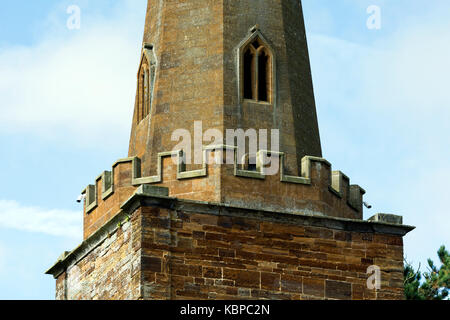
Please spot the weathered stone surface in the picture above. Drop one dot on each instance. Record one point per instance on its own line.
(111, 270)
(388, 218)
(338, 290)
(234, 262)
(155, 228)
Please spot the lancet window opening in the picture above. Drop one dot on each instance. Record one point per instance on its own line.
(257, 71)
(146, 78)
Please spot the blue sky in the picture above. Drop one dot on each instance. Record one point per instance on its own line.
(67, 98)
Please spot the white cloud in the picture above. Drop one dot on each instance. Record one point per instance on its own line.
(61, 223)
(74, 86)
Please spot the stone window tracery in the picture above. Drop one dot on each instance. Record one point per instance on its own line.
(146, 81)
(257, 75)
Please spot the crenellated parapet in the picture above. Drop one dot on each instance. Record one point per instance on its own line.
(317, 191)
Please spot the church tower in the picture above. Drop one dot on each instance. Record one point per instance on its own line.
(224, 192)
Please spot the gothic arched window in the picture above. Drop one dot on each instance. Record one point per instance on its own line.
(143, 93)
(146, 82)
(257, 71)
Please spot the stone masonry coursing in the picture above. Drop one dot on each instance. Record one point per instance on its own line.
(177, 249)
(111, 270)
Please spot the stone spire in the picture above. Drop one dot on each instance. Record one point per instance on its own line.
(196, 65)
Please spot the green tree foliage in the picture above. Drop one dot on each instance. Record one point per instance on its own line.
(412, 283)
(434, 284)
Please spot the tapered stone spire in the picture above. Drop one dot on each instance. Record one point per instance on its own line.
(230, 64)
(197, 74)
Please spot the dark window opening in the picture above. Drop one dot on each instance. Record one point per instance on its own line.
(145, 87)
(145, 84)
(152, 84)
(252, 164)
(263, 83)
(248, 70)
(257, 72)
(142, 107)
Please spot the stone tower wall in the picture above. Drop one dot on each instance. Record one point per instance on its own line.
(293, 111)
(317, 191)
(187, 38)
(196, 46)
(108, 266)
(163, 248)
